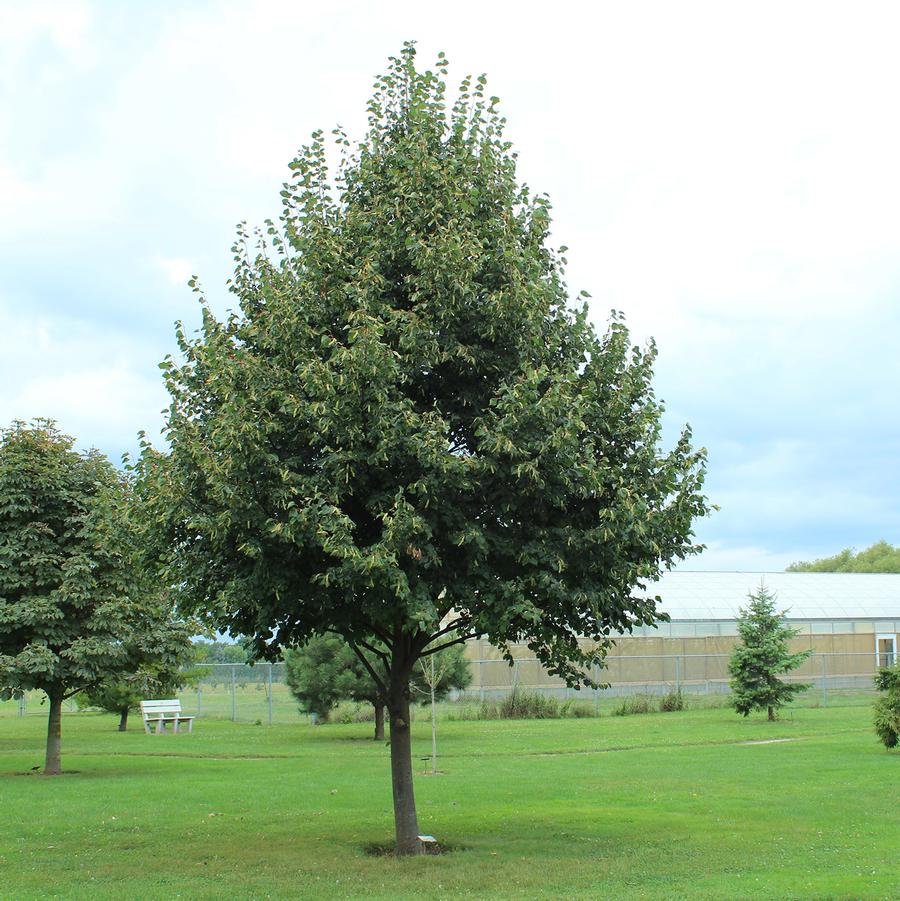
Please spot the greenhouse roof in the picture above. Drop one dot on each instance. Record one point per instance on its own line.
(702, 596)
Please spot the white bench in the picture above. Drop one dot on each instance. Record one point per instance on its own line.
(158, 713)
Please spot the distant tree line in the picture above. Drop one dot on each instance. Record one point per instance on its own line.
(219, 652)
(881, 557)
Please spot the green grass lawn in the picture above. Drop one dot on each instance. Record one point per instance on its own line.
(694, 805)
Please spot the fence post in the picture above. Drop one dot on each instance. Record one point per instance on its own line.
(22, 704)
(233, 697)
(515, 675)
(824, 681)
(199, 699)
(270, 692)
(481, 677)
(678, 674)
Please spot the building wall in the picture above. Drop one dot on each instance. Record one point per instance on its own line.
(692, 661)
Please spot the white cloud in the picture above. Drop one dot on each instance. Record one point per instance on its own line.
(725, 175)
(176, 270)
(95, 384)
(67, 25)
(105, 406)
(724, 557)
(15, 193)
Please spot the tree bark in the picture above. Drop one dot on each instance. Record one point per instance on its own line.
(123, 719)
(406, 824)
(54, 735)
(379, 721)
(771, 714)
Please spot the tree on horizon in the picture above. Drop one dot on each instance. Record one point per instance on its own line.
(881, 557)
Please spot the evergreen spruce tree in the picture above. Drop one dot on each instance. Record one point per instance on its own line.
(762, 657)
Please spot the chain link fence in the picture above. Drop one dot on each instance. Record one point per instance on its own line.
(259, 694)
(830, 675)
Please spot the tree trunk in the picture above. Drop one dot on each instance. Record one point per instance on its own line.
(123, 719)
(433, 723)
(379, 720)
(54, 735)
(406, 824)
(771, 714)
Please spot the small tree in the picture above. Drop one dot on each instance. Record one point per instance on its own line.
(442, 672)
(152, 680)
(76, 608)
(887, 708)
(762, 657)
(326, 670)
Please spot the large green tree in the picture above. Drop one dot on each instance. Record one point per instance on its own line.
(762, 657)
(881, 557)
(405, 431)
(76, 608)
(326, 670)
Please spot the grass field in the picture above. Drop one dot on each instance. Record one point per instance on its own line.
(694, 805)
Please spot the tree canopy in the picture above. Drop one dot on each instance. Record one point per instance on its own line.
(881, 557)
(762, 657)
(405, 430)
(75, 606)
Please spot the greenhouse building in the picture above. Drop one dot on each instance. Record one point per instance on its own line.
(850, 622)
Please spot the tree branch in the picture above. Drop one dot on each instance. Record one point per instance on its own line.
(372, 649)
(453, 626)
(449, 644)
(365, 662)
(382, 637)
(365, 644)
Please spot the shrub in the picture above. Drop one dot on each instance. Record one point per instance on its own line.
(580, 709)
(674, 700)
(635, 704)
(521, 704)
(887, 708)
(352, 712)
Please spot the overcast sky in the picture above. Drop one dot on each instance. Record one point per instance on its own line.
(728, 175)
